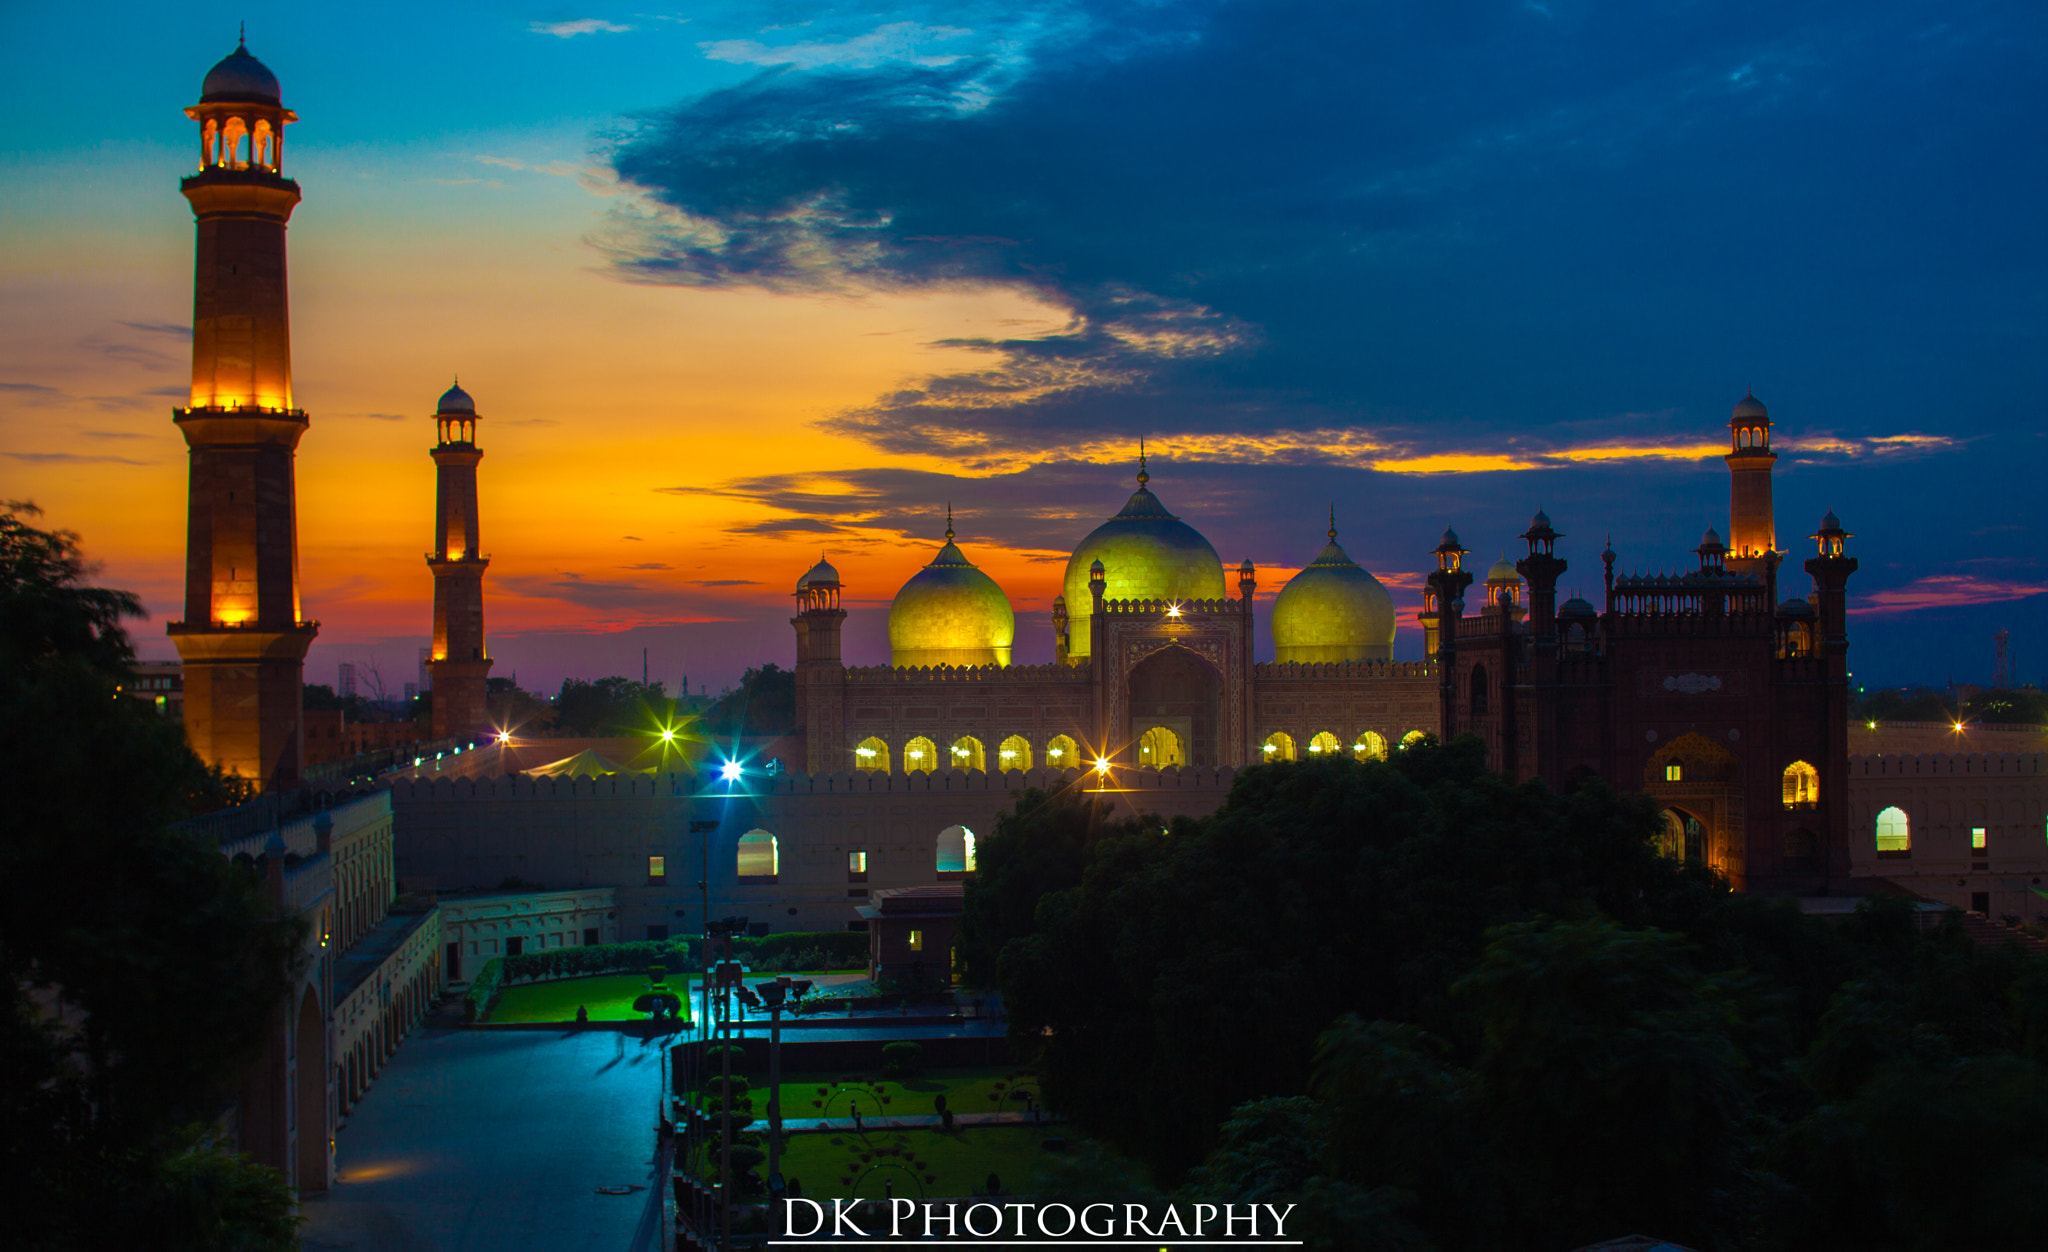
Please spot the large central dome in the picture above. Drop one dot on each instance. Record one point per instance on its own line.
(950, 613)
(1147, 554)
(1334, 610)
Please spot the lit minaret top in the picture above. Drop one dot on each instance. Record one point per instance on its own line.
(1752, 537)
(459, 663)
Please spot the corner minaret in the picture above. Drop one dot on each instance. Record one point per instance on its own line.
(1752, 539)
(242, 641)
(459, 664)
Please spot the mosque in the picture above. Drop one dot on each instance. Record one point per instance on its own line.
(1153, 664)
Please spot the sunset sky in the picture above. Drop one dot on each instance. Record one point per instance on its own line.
(735, 284)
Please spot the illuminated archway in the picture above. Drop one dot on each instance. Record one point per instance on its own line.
(1279, 746)
(956, 851)
(1324, 744)
(1061, 752)
(1802, 785)
(1014, 753)
(1684, 836)
(1894, 833)
(967, 753)
(759, 858)
(1413, 737)
(1161, 748)
(871, 756)
(920, 755)
(1371, 746)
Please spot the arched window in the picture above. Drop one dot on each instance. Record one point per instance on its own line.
(1323, 743)
(1413, 737)
(259, 142)
(1061, 752)
(956, 852)
(1894, 833)
(1684, 836)
(1160, 748)
(231, 136)
(967, 753)
(209, 134)
(1478, 692)
(1802, 785)
(1674, 771)
(1800, 849)
(1279, 746)
(1014, 753)
(920, 755)
(871, 756)
(1371, 746)
(759, 858)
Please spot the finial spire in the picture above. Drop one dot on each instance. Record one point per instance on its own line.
(949, 521)
(1333, 521)
(1143, 477)
(242, 35)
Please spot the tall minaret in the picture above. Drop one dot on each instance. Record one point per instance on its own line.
(242, 642)
(1752, 540)
(459, 664)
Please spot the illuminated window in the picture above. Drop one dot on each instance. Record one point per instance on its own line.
(1014, 753)
(657, 867)
(1413, 737)
(1160, 748)
(871, 756)
(1894, 833)
(1325, 744)
(1674, 772)
(1279, 746)
(920, 755)
(956, 851)
(1977, 838)
(1063, 753)
(759, 858)
(1371, 746)
(917, 941)
(966, 753)
(857, 862)
(1802, 785)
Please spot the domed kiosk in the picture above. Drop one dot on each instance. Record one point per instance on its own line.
(950, 613)
(1334, 610)
(1147, 554)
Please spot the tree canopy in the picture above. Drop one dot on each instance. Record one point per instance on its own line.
(140, 969)
(1438, 1008)
(763, 704)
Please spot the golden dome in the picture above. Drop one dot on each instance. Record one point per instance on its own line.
(1147, 554)
(950, 613)
(1334, 610)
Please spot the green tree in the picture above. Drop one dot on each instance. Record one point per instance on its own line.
(764, 704)
(1039, 847)
(142, 968)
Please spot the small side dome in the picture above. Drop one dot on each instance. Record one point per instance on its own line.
(1503, 572)
(821, 574)
(456, 400)
(1334, 610)
(1796, 608)
(240, 77)
(1749, 408)
(1712, 539)
(1831, 522)
(950, 613)
(1540, 522)
(1576, 607)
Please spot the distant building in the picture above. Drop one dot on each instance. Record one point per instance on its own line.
(160, 684)
(346, 686)
(412, 692)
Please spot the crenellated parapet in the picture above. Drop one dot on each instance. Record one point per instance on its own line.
(1171, 608)
(1341, 671)
(877, 675)
(1000, 783)
(1949, 764)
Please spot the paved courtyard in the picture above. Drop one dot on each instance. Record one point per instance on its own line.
(498, 1140)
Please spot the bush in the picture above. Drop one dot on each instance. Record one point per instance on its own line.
(484, 989)
(602, 958)
(736, 1087)
(830, 949)
(902, 1059)
(714, 1057)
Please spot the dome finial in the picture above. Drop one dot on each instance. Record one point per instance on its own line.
(1143, 477)
(1333, 521)
(949, 521)
(241, 34)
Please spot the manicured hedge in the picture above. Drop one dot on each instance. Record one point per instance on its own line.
(483, 989)
(832, 949)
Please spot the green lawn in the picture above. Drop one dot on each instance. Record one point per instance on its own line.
(609, 997)
(829, 1095)
(920, 1162)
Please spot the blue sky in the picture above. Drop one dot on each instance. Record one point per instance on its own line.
(1435, 262)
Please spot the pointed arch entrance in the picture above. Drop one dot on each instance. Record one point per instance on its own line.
(1175, 690)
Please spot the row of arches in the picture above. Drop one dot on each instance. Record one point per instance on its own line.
(406, 1006)
(921, 755)
(758, 857)
(1799, 785)
(237, 144)
(1369, 746)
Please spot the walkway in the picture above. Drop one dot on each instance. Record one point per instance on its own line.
(497, 1140)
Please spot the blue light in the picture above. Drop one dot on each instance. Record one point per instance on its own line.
(730, 771)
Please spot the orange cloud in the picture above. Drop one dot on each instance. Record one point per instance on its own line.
(1943, 591)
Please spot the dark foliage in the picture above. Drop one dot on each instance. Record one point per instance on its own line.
(763, 704)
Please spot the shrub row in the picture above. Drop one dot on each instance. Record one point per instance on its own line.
(483, 989)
